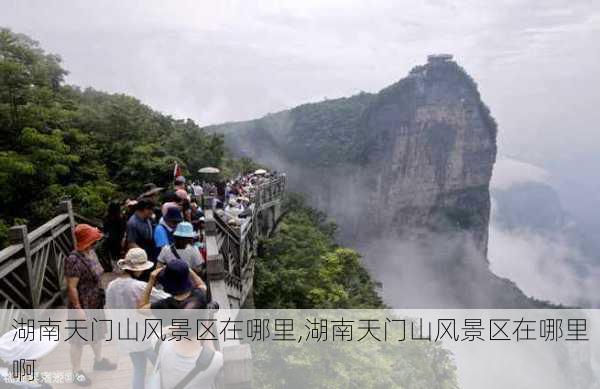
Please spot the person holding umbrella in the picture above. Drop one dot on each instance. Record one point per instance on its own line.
(208, 189)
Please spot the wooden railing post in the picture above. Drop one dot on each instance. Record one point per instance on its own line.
(67, 207)
(19, 235)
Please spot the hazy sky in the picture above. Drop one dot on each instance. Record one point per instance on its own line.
(536, 62)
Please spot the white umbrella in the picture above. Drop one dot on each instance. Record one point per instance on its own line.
(260, 171)
(209, 170)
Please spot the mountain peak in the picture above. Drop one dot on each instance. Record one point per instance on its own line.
(411, 163)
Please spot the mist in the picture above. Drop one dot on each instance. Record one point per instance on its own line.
(221, 61)
(552, 262)
(545, 267)
(535, 63)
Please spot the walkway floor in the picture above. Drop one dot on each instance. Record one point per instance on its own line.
(58, 363)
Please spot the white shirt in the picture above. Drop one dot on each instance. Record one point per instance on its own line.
(190, 254)
(174, 367)
(197, 189)
(126, 292)
(122, 297)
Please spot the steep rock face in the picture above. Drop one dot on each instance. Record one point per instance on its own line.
(429, 155)
(415, 157)
(405, 173)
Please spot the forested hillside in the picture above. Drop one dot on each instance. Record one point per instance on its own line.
(60, 141)
(302, 267)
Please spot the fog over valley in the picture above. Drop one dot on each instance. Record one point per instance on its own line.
(535, 65)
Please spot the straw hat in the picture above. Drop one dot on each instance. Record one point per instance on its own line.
(135, 260)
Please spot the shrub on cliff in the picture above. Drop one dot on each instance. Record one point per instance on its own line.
(301, 266)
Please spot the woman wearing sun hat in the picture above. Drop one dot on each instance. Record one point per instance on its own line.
(84, 291)
(125, 292)
(183, 248)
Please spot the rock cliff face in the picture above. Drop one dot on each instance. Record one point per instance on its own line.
(411, 163)
(431, 146)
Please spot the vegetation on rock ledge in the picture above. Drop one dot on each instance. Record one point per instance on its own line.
(302, 267)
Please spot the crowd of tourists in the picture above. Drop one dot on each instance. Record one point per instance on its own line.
(156, 244)
(236, 203)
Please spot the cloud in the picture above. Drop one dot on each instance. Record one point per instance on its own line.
(547, 267)
(508, 172)
(535, 61)
(260, 57)
(547, 263)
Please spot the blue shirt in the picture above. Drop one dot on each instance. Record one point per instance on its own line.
(162, 236)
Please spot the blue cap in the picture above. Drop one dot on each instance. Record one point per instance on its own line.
(184, 230)
(175, 277)
(173, 215)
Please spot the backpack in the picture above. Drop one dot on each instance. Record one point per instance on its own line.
(202, 363)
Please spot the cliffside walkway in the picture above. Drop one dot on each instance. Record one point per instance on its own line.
(32, 273)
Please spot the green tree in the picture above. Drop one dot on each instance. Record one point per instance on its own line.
(58, 141)
(302, 267)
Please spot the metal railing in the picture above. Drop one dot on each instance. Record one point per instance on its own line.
(232, 250)
(32, 267)
(231, 254)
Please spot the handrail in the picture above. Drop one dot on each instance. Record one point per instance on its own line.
(226, 229)
(11, 250)
(31, 268)
(88, 220)
(231, 269)
(236, 249)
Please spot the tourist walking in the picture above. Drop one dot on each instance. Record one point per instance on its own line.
(84, 291)
(183, 248)
(139, 229)
(125, 292)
